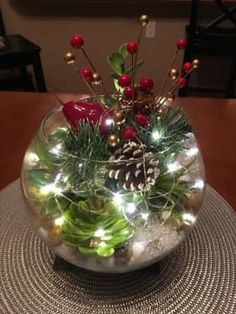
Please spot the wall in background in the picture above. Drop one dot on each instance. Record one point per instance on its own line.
(51, 27)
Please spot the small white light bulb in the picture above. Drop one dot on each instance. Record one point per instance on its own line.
(145, 216)
(117, 199)
(59, 221)
(99, 233)
(199, 184)
(51, 188)
(109, 121)
(189, 218)
(131, 208)
(192, 152)
(156, 135)
(173, 166)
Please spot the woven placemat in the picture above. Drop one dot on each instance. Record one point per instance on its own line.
(198, 278)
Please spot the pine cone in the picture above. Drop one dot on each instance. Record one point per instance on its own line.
(145, 102)
(137, 169)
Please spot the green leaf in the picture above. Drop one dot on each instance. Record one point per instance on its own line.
(86, 250)
(123, 50)
(51, 206)
(117, 86)
(114, 76)
(117, 62)
(38, 177)
(55, 204)
(138, 65)
(105, 251)
(44, 156)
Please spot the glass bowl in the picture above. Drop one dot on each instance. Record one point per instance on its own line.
(96, 224)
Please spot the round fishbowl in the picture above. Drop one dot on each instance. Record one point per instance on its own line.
(112, 208)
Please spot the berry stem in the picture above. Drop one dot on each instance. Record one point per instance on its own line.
(136, 55)
(85, 81)
(163, 88)
(94, 68)
(88, 59)
(172, 88)
(56, 96)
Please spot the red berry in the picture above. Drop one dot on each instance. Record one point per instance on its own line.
(129, 92)
(181, 82)
(141, 119)
(187, 66)
(77, 41)
(181, 43)
(86, 73)
(129, 133)
(132, 47)
(124, 80)
(146, 84)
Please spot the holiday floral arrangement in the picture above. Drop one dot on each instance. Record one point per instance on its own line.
(114, 181)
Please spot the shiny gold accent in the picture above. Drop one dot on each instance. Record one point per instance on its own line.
(171, 97)
(173, 73)
(119, 117)
(144, 19)
(96, 78)
(196, 63)
(69, 58)
(113, 140)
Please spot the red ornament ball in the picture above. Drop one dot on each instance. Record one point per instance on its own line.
(129, 133)
(187, 66)
(129, 92)
(124, 80)
(77, 41)
(181, 82)
(86, 73)
(181, 43)
(141, 119)
(146, 84)
(132, 47)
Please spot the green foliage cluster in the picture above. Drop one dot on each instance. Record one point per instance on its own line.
(96, 226)
(117, 61)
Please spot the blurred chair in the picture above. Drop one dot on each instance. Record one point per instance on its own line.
(16, 54)
(212, 41)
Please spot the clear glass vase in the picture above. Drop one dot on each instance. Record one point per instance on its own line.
(90, 221)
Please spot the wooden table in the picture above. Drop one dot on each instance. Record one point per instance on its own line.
(214, 120)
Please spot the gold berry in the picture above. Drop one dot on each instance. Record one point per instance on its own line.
(173, 73)
(171, 97)
(144, 19)
(196, 63)
(96, 78)
(113, 140)
(119, 116)
(69, 57)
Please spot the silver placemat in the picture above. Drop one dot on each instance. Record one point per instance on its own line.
(198, 278)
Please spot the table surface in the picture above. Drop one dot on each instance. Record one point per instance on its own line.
(214, 121)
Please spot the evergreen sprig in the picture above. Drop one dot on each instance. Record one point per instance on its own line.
(173, 127)
(85, 149)
(87, 142)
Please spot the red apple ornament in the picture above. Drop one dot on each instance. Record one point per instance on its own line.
(75, 111)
